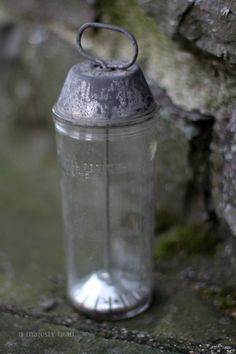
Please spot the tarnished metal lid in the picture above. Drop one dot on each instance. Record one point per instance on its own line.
(101, 93)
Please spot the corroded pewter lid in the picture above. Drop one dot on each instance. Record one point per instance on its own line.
(100, 93)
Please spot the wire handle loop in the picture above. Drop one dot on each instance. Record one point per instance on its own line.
(104, 64)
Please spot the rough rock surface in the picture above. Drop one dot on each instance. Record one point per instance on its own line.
(224, 170)
(209, 27)
(183, 167)
(193, 81)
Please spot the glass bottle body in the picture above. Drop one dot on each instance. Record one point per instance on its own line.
(107, 181)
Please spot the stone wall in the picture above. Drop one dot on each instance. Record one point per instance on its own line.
(187, 51)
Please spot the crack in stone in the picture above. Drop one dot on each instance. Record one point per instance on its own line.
(199, 157)
(183, 15)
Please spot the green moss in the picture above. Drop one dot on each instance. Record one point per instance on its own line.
(224, 299)
(185, 240)
(118, 11)
(129, 14)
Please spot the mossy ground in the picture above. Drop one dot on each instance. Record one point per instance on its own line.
(223, 298)
(185, 244)
(176, 238)
(185, 240)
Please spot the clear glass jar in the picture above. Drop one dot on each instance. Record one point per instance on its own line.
(107, 180)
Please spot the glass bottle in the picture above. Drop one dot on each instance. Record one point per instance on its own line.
(107, 178)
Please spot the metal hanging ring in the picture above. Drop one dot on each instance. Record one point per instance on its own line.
(103, 63)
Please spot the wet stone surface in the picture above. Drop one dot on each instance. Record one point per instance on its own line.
(25, 335)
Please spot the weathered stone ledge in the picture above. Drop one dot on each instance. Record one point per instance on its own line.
(108, 331)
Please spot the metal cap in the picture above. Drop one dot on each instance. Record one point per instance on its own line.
(101, 93)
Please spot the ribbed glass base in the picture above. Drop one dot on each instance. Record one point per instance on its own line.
(103, 296)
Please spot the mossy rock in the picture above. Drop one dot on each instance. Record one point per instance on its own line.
(224, 299)
(185, 240)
